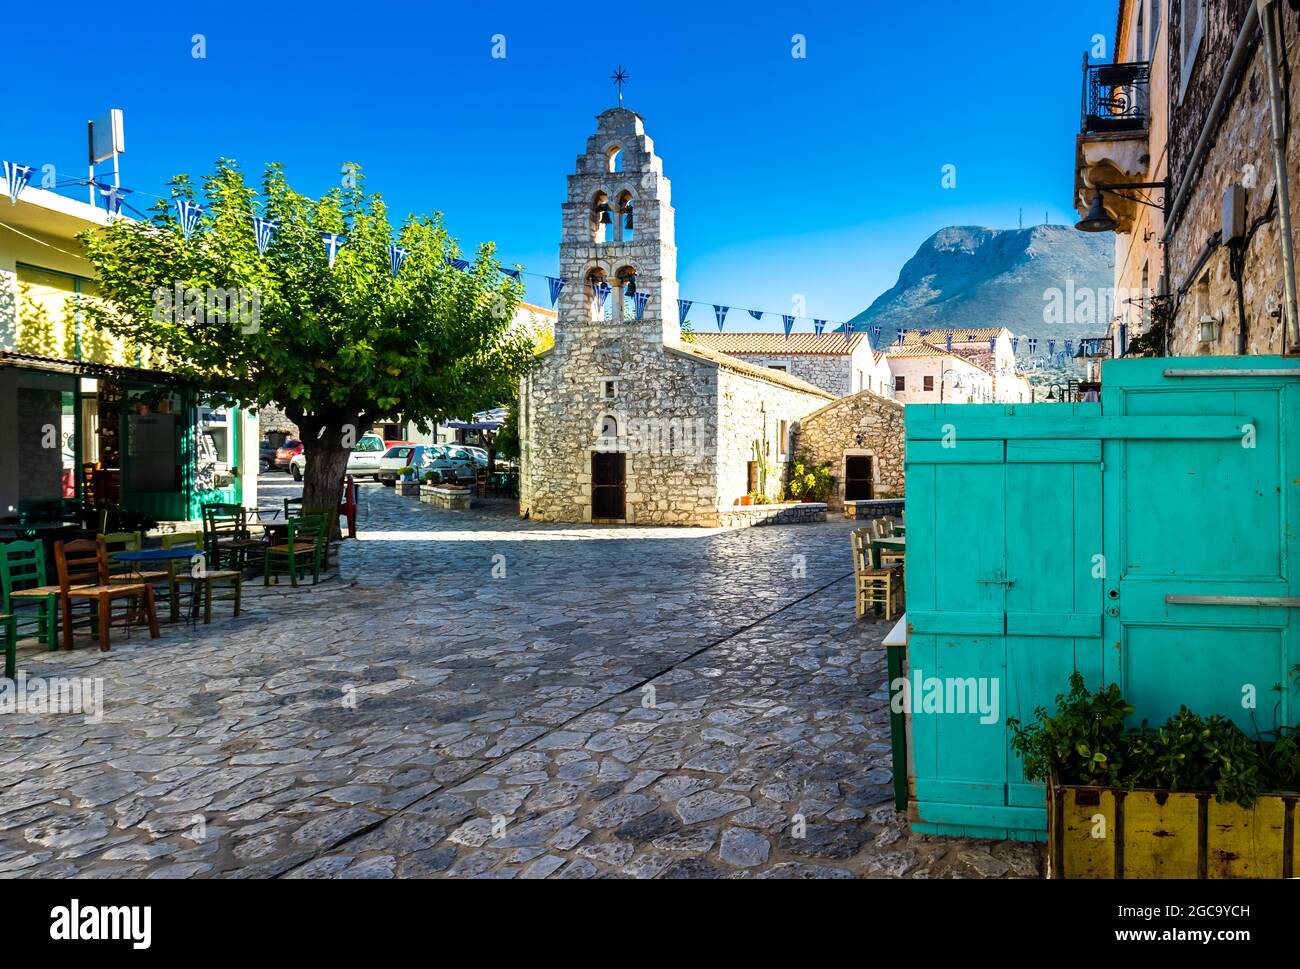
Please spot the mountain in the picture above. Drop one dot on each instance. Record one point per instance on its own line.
(968, 276)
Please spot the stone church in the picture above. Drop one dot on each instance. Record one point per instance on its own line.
(622, 420)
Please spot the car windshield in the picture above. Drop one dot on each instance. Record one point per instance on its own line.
(398, 453)
(289, 445)
(369, 444)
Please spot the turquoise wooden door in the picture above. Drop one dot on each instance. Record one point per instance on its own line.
(1002, 600)
(1202, 539)
(1150, 540)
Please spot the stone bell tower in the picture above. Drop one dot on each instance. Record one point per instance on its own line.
(617, 232)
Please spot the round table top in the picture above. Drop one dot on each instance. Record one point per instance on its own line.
(157, 554)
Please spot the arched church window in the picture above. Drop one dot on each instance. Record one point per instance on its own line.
(625, 292)
(601, 217)
(625, 222)
(600, 296)
(608, 429)
(614, 158)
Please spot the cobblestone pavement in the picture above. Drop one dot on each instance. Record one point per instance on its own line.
(476, 696)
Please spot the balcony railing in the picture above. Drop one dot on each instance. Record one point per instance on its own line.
(1115, 97)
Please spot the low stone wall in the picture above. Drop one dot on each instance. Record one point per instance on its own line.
(743, 516)
(449, 499)
(874, 508)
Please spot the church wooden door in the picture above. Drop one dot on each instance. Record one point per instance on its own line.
(608, 485)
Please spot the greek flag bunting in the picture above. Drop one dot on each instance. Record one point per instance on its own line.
(263, 229)
(756, 314)
(848, 331)
(683, 307)
(396, 256)
(993, 344)
(641, 300)
(1051, 348)
(113, 199)
(788, 323)
(1015, 344)
(875, 332)
(460, 264)
(720, 313)
(512, 273)
(16, 177)
(1033, 345)
(602, 293)
(187, 213)
(556, 286)
(818, 326)
(333, 242)
(1069, 348)
(948, 342)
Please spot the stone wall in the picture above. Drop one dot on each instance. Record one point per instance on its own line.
(831, 373)
(664, 418)
(750, 410)
(832, 432)
(1240, 155)
(785, 514)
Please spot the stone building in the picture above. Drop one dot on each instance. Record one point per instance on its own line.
(861, 436)
(1191, 98)
(620, 420)
(827, 360)
(980, 367)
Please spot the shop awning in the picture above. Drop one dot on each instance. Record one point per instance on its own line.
(86, 368)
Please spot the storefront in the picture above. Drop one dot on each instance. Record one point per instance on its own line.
(101, 436)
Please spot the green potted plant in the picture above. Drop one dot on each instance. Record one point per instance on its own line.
(809, 482)
(1194, 797)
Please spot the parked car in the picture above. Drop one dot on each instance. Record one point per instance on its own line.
(363, 462)
(415, 456)
(265, 456)
(285, 454)
(454, 462)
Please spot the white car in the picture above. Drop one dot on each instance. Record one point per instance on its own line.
(363, 462)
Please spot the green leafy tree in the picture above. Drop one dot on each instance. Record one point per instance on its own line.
(339, 348)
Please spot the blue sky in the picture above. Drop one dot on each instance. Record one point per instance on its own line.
(816, 176)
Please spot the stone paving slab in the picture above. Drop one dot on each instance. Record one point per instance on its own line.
(475, 696)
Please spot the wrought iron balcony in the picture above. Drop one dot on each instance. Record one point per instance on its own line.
(1115, 97)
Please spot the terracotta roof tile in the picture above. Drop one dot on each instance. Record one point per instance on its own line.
(751, 369)
(832, 344)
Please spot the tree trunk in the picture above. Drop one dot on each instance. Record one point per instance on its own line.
(327, 462)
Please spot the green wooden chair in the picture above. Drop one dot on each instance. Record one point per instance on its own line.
(305, 540)
(292, 508)
(201, 580)
(9, 629)
(22, 584)
(226, 536)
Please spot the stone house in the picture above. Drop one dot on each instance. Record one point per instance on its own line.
(980, 367)
(861, 436)
(1196, 97)
(828, 360)
(621, 420)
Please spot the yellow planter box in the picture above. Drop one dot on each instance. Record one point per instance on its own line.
(1104, 832)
